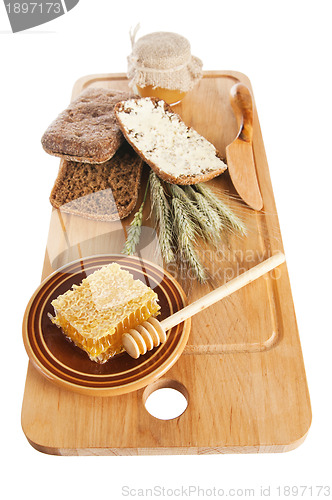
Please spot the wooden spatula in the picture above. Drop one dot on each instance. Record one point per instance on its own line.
(239, 154)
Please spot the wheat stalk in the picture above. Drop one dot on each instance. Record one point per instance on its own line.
(228, 217)
(193, 211)
(186, 232)
(135, 228)
(203, 225)
(208, 218)
(163, 216)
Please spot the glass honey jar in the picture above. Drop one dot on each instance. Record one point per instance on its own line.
(161, 65)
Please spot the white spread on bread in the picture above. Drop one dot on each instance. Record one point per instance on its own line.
(166, 141)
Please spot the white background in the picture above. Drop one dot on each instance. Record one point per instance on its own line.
(285, 49)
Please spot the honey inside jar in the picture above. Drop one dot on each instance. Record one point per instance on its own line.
(161, 65)
(168, 95)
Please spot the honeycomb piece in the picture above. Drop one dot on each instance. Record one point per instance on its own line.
(96, 313)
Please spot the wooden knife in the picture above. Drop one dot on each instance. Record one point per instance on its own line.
(239, 153)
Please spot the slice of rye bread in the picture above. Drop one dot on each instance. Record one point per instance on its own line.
(177, 153)
(87, 131)
(104, 192)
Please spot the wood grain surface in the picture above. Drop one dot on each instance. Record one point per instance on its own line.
(242, 368)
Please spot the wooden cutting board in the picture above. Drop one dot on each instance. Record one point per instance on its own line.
(242, 369)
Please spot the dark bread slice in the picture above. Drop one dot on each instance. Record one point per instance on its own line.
(87, 131)
(104, 192)
(176, 152)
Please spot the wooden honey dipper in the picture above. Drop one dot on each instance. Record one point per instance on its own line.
(152, 332)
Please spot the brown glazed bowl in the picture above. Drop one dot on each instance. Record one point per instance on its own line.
(68, 366)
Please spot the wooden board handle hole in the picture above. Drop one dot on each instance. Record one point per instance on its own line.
(166, 399)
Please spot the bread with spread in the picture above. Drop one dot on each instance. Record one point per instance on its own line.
(177, 153)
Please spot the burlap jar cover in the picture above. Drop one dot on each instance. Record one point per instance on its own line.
(163, 59)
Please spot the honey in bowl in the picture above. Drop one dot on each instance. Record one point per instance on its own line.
(161, 65)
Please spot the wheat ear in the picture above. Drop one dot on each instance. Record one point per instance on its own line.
(135, 228)
(186, 232)
(228, 217)
(209, 219)
(163, 216)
